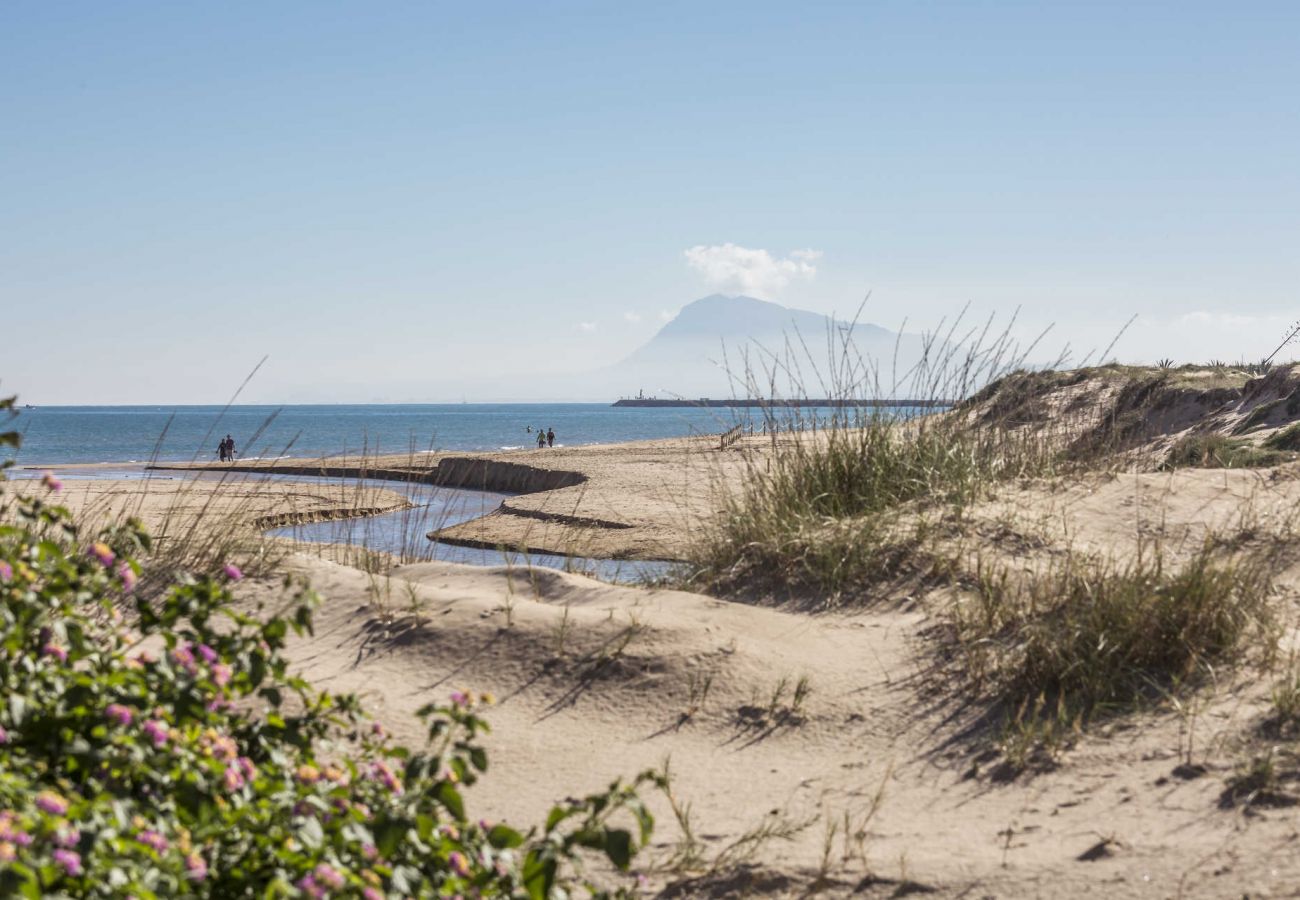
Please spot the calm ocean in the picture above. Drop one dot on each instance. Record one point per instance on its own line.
(95, 434)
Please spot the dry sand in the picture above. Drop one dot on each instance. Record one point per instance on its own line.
(596, 681)
(637, 500)
(166, 502)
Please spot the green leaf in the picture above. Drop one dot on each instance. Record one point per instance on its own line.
(451, 800)
(502, 836)
(17, 707)
(478, 756)
(389, 835)
(619, 847)
(539, 875)
(311, 833)
(558, 814)
(424, 825)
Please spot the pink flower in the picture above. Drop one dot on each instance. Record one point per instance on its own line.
(308, 886)
(156, 731)
(196, 869)
(458, 864)
(153, 840)
(68, 837)
(459, 698)
(383, 774)
(51, 483)
(183, 657)
(372, 893)
(329, 876)
(246, 767)
(370, 851)
(4, 736)
(10, 834)
(127, 576)
(233, 779)
(70, 860)
(222, 746)
(103, 553)
(232, 571)
(209, 655)
(221, 674)
(118, 713)
(53, 649)
(377, 729)
(6, 571)
(52, 803)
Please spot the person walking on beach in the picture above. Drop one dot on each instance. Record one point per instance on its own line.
(230, 448)
(550, 437)
(221, 450)
(541, 440)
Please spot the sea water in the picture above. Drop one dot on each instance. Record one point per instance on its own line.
(134, 435)
(55, 435)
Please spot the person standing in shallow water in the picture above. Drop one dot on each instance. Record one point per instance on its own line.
(541, 440)
(550, 437)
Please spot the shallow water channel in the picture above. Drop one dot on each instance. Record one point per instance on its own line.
(405, 532)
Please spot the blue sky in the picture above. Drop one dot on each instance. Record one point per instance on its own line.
(392, 199)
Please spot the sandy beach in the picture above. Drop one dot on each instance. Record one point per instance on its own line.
(821, 752)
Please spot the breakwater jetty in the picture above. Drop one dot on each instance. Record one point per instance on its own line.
(804, 403)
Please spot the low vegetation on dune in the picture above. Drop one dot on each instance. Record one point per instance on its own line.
(1049, 645)
(822, 515)
(155, 743)
(819, 514)
(1085, 637)
(1217, 451)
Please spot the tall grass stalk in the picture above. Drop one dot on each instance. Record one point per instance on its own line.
(816, 510)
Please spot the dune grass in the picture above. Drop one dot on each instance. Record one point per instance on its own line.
(819, 511)
(1086, 637)
(1217, 451)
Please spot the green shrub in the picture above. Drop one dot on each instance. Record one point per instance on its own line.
(161, 747)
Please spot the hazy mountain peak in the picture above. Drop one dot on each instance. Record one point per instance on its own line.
(719, 316)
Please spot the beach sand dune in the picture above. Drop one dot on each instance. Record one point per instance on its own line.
(830, 752)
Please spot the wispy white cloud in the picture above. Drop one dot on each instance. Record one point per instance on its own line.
(587, 327)
(730, 267)
(632, 317)
(666, 315)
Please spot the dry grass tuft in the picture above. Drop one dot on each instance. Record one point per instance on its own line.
(1089, 637)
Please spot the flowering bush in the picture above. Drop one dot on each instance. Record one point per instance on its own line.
(159, 746)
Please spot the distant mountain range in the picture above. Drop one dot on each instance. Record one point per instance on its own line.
(720, 346)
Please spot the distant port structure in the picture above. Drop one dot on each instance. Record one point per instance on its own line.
(780, 403)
